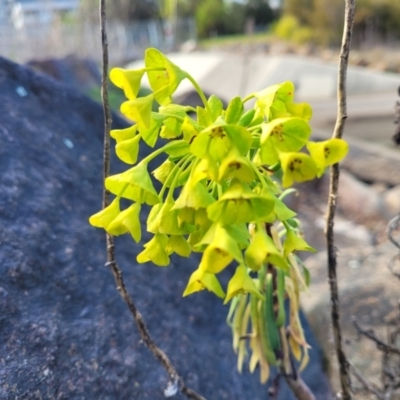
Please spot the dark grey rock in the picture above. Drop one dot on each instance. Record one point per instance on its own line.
(65, 333)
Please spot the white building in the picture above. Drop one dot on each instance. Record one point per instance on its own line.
(22, 13)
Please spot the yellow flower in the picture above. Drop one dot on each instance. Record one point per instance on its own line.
(127, 221)
(103, 218)
(128, 80)
(134, 184)
(241, 282)
(263, 250)
(155, 251)
(201, 280)
(327, 153)
(297, 167)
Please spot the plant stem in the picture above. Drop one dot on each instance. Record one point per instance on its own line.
(199, 91)
(111, 260)
(331, 207)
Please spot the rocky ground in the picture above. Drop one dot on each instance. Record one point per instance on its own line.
(65, 333)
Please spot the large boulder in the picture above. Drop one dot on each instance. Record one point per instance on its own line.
(65, 333)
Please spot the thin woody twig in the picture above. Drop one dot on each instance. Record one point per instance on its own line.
(371, 335)
(368, 386)
(175, 379)
(333, 190)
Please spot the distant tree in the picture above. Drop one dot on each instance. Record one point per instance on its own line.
(260, 11)
(375, 20)
(210, 17)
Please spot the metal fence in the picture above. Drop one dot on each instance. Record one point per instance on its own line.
(126, 41)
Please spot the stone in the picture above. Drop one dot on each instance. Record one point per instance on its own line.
(367, 291)
(391, 199)
(65, 331)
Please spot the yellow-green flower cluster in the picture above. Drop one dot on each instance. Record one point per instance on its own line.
(221, 172)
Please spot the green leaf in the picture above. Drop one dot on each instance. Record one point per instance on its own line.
(164, 83)
(124, 134)
(139, 110)
(240, 137)
(297, 167)
(234, 111)
(134, 184)
(216, 107)
(128, 80)
(247, 117)
(128, 150)
(203, 117)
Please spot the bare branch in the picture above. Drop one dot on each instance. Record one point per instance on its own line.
(175, 379)
(333, 190)
(367, 385)
(380, 343)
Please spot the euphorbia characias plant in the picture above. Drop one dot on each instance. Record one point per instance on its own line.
(224, 174)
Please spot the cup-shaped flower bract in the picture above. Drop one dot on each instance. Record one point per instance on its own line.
(134, 184)
(166, 79)
(201, 280)
(139, 110)
(103, 218)
(219, 138)
(262, 250)
(193, 196)
(235, 166)
(327, 152)
(179, 245)
(128, 80)
(128, 150)
(274, 99)
(221, 252)
(239, 205)
(297, 167)
(127, 221)
(241, 282)
(155, 251)
(294, 242)
(162, 219)
(121, 135)
(283, 135)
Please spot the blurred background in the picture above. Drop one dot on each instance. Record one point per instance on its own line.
(239, 47)
(54, 28)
